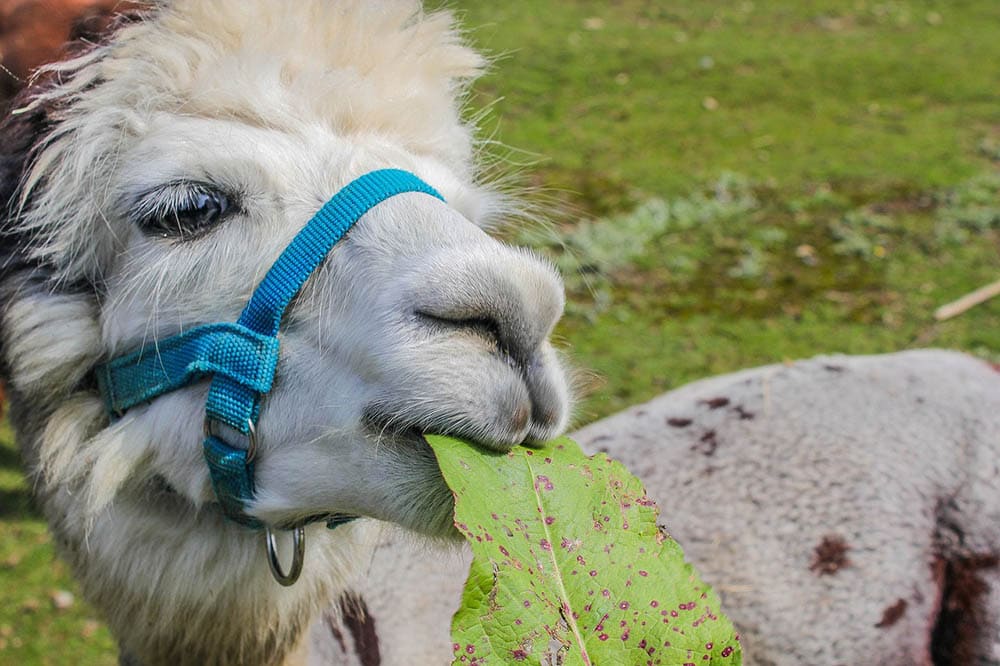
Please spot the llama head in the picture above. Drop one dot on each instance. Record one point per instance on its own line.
(155, 179)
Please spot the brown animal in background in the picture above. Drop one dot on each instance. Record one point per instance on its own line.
(35, 32)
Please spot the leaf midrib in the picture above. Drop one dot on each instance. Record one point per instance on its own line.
(570, 620)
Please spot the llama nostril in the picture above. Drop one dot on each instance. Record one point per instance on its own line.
(507, 298)
(485, 327)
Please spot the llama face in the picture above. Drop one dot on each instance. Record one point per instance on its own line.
(418, 321)
(181, 160)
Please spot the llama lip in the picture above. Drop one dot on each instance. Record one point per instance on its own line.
(382, 423)
(381, 426)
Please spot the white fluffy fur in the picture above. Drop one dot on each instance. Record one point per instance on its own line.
(377, 71)
(282, 103)
(54, 340)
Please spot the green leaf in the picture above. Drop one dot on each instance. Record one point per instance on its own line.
(570, 567)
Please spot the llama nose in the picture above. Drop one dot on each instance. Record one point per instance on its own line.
(504, 294)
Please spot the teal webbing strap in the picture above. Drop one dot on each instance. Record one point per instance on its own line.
(225, 349)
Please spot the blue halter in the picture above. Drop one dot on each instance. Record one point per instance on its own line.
(241, 357)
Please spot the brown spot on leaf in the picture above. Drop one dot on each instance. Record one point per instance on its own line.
(892, 614)
(830, 556)
(677, 422)
(662, 534)
(715, 403)
(743, 413)
(833, 368)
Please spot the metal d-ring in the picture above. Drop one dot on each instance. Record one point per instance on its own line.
(251, 436)
(298, 555)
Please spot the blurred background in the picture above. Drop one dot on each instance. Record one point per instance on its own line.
(722, 184)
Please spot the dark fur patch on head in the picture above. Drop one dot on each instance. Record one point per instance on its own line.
(19, 134)
(830, 556)
(677, 422)
(892, 614)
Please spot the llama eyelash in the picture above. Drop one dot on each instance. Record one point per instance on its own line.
(183, 210)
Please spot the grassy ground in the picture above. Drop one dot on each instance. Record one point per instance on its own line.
(748, 182)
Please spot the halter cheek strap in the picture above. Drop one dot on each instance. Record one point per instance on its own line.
(241, 357)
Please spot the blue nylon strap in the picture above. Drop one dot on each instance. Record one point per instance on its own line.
(304, 254)
(232, 479)
(246, 358)
(242, 357)
(237, 405)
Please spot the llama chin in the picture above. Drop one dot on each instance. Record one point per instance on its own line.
(152, 182)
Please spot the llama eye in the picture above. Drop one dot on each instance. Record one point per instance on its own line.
(182, 211)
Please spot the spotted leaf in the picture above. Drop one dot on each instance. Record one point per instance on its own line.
(570, 567)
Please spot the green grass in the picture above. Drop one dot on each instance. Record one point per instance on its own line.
(866, 136)
(741, 276)
(869, 93)
(32, 629)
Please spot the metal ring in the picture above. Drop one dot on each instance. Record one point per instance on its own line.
(298, 555)
(251, 435)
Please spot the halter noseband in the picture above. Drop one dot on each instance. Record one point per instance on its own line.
(241, 357)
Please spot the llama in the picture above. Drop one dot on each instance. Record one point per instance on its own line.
(153, 180)
(846, 509)
(148, 186)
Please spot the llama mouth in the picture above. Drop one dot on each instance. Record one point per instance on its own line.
(380, 425)
(409, 436)
(420, 499)
(383, 427)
